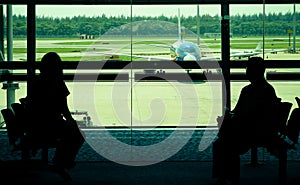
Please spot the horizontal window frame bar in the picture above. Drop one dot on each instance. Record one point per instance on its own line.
(109, 77)
(159, 77)
(92, 65)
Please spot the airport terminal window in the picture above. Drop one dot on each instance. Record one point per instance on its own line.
(279, 28)
(268, 30)
(246, 29)
(129, 31)
(152, 104)
(148, 36)
(258, 27)
(210, 30)
(19, 36)
(245, 38)
(14, 50)
(166, 33)
(287, 90)
(83, 35)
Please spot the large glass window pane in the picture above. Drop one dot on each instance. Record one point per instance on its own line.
(246, 27)
(279, 32)
(92, 33)
(150, 37)
(14, 50)
(287, 90)
(210, 30)
(281, 35)
(19, 30)
(276, 31)
(154, 104)
(167, 33)
(108, 104)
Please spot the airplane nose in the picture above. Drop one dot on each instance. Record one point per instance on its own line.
(189, 58)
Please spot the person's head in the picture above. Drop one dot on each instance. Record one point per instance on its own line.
(255, 69)
(51, 65)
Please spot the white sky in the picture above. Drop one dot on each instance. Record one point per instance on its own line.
(153, 10)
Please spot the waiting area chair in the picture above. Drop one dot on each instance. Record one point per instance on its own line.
(18, 130)
(288, 133)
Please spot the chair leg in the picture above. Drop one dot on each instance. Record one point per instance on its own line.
(254, 159)
(282, 168)
(45, 155)
(25, 154)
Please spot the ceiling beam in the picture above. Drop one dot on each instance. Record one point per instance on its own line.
(140, 2)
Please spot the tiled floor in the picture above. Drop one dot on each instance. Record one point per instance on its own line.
(188, 167)
(164, 173)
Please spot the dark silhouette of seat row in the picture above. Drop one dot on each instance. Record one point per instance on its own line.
(42, 119)
(259, 119)
(18, 130)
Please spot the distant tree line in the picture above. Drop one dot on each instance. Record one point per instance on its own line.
(275, 24)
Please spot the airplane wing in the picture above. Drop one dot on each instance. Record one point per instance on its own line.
(168, 46)
(241, 55)
(211, 58)
(249, 54)
(150, 58)
(274, 51)
(147, 57)
(160, 45)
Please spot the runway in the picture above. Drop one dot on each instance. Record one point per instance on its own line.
(126, 46)
(151, 104)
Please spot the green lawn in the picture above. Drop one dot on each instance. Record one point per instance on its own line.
(59, 50)
(140, 46)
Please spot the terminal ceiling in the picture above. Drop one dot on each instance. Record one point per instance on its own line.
(137, 2)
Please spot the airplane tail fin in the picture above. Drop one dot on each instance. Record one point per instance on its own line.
(179, 27)
(259, 46)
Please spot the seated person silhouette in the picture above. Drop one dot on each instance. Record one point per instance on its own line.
(249, 122)
(293, 125)
(50, 116)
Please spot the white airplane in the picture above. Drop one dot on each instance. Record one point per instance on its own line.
(246, 53)
(258, 50)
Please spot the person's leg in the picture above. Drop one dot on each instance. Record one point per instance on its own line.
(226, 162)
(219, 161)
(59, 161)
(68, 147)
(234, 168)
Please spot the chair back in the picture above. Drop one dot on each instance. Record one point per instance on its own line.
(13, 131)
(21, 116)
(293, 125)
(283, 116)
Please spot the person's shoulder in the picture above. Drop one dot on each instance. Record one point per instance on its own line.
(37, 81)
(247, 87)
(269, 86)
(64, 89)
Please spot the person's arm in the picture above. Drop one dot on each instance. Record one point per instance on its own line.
(240, 102)
(65, 111)
(231, 113)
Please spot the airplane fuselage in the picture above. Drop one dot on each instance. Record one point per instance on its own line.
(184, 50)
